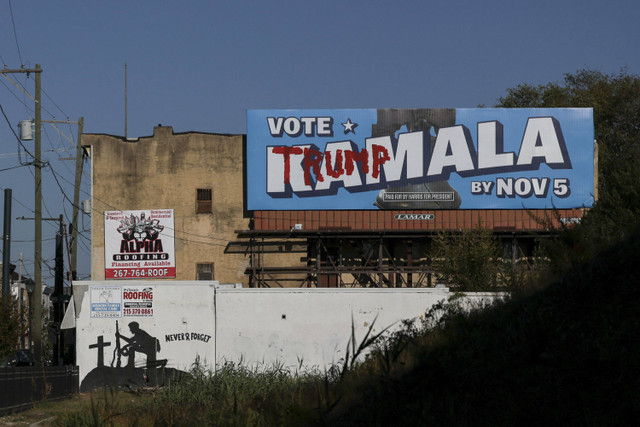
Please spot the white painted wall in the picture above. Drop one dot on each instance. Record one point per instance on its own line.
(301, 327)
(178, 308)
(308, 325)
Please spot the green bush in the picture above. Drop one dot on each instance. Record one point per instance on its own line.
(468, 260)
(10, 327)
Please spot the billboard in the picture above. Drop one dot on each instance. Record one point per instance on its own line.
(139, 244)
(407, 159)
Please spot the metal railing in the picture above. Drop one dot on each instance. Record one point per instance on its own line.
(22, 387)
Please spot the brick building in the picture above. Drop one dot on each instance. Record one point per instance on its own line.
(197, 175)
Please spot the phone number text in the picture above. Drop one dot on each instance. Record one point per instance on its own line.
(137, 312)
(141, 272)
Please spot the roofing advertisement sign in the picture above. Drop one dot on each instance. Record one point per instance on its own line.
(117, 301)
(480, 158)
(139, 244)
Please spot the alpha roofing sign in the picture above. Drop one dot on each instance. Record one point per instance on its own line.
(420, 159)
(139, 244)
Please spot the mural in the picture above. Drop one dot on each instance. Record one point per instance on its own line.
(297, 329)
(142, 366)
(134, 334)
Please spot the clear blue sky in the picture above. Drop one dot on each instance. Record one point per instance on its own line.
(199, 65)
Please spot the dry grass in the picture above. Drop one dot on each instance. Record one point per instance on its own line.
(46, 413)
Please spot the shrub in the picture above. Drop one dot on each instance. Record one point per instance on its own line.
(10, 326)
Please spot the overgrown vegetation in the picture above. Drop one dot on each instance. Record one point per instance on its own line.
(475, 260)
(232, 395)
(616, 107)
(564, 355)
(468, 260)
(10, 326)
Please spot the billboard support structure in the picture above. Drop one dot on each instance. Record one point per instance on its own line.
(362, 192)
(357, 259)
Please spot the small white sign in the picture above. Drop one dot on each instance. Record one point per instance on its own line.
(106, 301)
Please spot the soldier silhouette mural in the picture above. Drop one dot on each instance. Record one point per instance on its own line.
(134, 364)
(140, 342)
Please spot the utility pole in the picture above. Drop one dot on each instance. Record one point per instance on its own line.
(21, 302)
(37, 257)
(37, 163)
(125, 101)
(76, 193)
(76, 202)
(58, 293)
(6, 249)
(57, 297)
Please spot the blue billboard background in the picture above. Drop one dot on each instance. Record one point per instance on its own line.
(537, 184)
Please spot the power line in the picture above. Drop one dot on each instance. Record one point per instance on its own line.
(16, 136)
(13, 167)
(56, 146)
(15, 34)
(21, 87)
(169, 228)
(19, 202)
(30, 241)
(56, 150)
(54, 103)
(120, 210)
(26, 92)
(29, 109)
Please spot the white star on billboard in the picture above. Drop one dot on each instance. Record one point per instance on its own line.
(349, 127)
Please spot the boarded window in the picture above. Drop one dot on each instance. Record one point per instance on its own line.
(204, 271)
(204, 200)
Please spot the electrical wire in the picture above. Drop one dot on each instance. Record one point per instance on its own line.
(28, 108)
(21, 87)
(55, 147)
(186, 240)
(114, 208)
(58, 177)
(168, 228)
(17, 137)
(19, 202)
(54, 103)
(66, 215)
(13, 167)
(15, 34)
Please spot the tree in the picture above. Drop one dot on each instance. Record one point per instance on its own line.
(615, 99)
(10, 326)
(468, 260)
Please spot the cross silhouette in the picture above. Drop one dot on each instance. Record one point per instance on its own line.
(100, 345)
